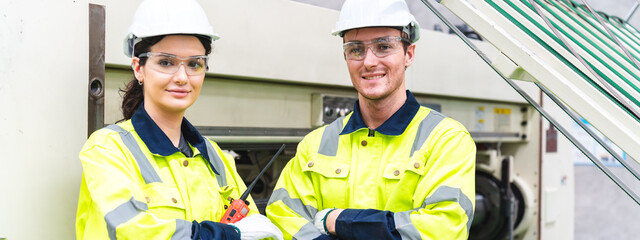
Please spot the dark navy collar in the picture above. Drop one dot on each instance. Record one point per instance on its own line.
(158, 142)
(395, 125)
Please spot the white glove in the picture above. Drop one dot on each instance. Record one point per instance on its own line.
(257, 226)
(319, 218)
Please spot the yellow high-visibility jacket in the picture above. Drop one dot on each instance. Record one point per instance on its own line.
(419, 166)
(137, 185)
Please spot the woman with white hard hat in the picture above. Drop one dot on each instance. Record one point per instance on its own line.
(152, 175)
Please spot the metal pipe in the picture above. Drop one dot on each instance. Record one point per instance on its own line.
(633, 11)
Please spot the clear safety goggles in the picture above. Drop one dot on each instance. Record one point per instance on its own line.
(381, 47)
(169, 63)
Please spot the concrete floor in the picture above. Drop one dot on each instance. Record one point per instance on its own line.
(602, 209)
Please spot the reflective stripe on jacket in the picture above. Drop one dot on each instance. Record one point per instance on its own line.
(127, 192)
(424, 177)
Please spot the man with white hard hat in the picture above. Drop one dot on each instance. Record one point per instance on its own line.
(391, 169)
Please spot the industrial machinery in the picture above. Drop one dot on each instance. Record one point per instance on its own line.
(250, 106)
(275, 77)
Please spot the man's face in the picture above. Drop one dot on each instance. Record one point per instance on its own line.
(378, 78)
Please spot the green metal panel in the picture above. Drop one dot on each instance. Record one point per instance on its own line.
(496, 5)
(588, 60)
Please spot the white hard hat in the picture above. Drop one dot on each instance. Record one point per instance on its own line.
(377, 13)
(162, 17)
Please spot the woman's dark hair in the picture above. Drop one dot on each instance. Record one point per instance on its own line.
(132, 94)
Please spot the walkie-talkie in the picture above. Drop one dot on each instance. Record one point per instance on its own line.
(239, 208)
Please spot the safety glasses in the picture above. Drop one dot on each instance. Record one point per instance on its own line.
(168, 63)
(381, 47)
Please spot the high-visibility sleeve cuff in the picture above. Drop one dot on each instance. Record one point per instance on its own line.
(183, 229)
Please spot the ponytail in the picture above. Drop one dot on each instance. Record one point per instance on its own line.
(132, 98)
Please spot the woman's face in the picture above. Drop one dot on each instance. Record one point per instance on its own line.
(171, 93)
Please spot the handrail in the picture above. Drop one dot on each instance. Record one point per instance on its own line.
(538, 108)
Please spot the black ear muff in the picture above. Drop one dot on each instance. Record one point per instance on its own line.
(410, 30)
(130, 43)
(412, 35)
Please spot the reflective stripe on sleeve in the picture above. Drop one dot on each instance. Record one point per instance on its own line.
(216, 164)
(330, 138)
(424, 130)
(122, 214)
(443, 194)
(146, 170)
(295, 204)
(183, 230)
(404, 225)
(450, 194)
(308, 231)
